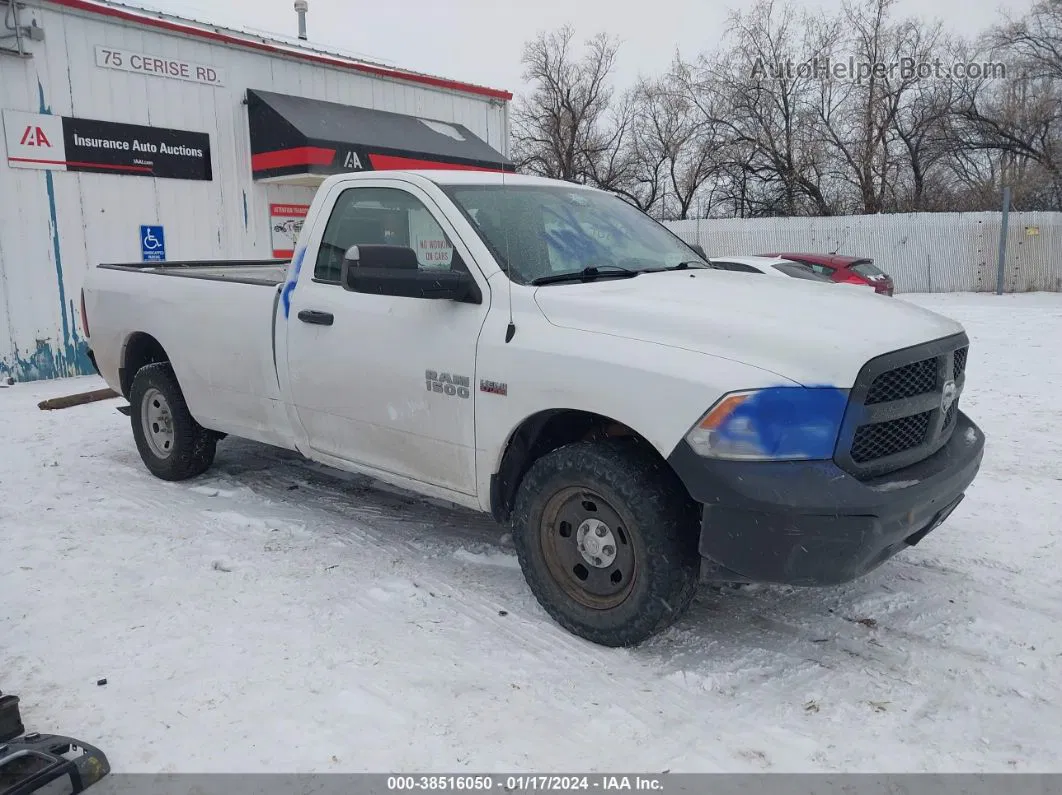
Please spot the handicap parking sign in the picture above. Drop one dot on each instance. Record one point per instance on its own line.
(152, 244)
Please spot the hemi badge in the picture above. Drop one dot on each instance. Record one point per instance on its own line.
(493, 387)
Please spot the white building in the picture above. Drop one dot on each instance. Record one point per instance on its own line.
(135, 136)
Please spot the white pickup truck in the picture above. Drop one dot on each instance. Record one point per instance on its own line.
(545, 352)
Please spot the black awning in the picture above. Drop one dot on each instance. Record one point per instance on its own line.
(294, 136)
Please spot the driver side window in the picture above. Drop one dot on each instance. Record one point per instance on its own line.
(388, 216)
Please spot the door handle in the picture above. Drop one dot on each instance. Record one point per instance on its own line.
(315, 317)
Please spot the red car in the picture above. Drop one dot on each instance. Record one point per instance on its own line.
(853, 270)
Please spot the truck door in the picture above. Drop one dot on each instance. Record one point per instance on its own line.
(383, 381)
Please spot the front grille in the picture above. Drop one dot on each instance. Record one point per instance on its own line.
(897, 412)
(960, 363)
(912, 379)
(883, 439)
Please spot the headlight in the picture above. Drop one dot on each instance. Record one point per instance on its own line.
(774, 424)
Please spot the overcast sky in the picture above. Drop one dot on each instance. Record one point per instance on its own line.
(480, 41)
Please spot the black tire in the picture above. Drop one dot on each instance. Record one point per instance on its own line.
(652, 535)
(188, 449)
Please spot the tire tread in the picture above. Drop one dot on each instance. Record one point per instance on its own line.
(194, 445)
(667, 517)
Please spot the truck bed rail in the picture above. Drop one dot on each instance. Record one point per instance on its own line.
(263, 272)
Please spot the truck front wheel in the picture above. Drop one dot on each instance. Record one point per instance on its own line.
(172, 444)
(606, 538)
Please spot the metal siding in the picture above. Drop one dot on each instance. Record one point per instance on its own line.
(923, 252)
(98, 215)
(43, 337)
(22, 198)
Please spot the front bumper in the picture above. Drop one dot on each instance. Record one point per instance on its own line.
(810, 522)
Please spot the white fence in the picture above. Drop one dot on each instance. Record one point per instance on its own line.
(923, 252)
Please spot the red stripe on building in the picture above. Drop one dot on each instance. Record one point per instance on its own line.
(138, 169)
(33, 160)
(297, 156)
(237, 41)
(81, 164)
(395, 162)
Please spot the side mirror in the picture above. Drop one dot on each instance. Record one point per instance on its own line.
(699, 250)
(394, 270)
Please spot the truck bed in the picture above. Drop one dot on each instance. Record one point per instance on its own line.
(216, 327)
(265, 272)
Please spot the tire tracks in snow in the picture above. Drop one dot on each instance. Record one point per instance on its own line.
(783, 639)
(383, 521)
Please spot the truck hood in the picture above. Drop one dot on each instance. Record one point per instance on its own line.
(807, 332)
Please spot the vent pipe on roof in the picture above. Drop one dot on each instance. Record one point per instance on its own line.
(301, 7)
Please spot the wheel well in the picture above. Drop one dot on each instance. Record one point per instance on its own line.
(140, 350)
(543, 433)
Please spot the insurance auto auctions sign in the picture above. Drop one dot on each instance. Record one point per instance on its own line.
(36, 140)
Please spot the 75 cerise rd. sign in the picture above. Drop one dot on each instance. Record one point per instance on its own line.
(157, 66)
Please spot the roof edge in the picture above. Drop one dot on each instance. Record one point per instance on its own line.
(175, 24)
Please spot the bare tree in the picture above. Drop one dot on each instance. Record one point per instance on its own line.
(878, 122)
(686, 144)
(765, 126)
(1035, 39)
(752, 97)
(1019, 120)
(614, 161)
(922, 127)
(641, 166)
(563, 129)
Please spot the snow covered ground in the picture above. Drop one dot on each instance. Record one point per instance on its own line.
(276, 616)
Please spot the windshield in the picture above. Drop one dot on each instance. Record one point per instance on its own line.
(867, 268)
(800, 271)
(539, 231)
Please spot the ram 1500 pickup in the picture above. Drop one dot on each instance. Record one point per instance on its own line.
(547, 353)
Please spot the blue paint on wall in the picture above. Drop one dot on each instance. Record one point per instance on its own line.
(53, 223)
(245, 218)
(67, 356)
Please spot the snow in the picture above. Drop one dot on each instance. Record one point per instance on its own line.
(276, 616)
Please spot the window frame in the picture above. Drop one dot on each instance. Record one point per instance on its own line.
(461, 262)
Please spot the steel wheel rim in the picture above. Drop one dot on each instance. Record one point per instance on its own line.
(157, 423)
(588, 548)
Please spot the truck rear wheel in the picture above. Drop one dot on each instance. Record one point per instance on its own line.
(172, 444)
(606, 538)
